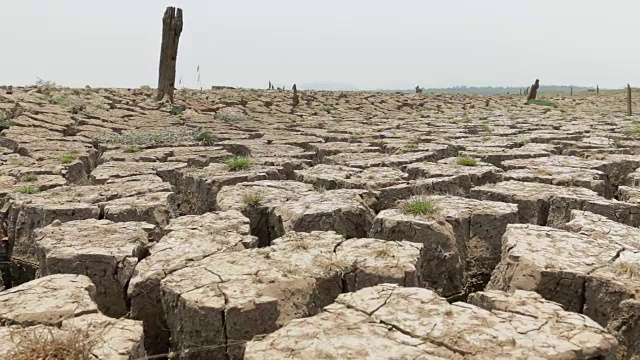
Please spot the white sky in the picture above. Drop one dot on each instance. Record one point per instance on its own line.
(366, 43)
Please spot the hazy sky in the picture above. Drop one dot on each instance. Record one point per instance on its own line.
(366, 43)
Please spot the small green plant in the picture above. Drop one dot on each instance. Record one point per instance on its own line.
(67, 159)
(29, 190)
(206, 138)
(238, 163)
(626, 269)
(634, 129)
(4, 123)
(541, 102)
(411, 146)
(252, 199)
(131, 149)
(466, 161)
(29, 178)
(419, 206)
(522, 143)
(178, 109)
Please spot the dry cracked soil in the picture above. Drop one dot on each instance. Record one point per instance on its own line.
(355, 225)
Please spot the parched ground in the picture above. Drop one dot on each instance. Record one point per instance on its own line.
(234, 225)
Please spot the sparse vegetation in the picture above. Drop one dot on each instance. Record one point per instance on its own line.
(146, 137)
(332, 264)
(466, 161)
(411, 146)
(627, 269)
(634, 129)
(67, 159)
(419, 206)
(38, 343)
(522, 143)
(206, 138)
(541, 102)
(252, 199)
(383, 252)
(4, 123)
(131, 149)
(178, 109)
(29, 178)
(238, 163)
(29, 190)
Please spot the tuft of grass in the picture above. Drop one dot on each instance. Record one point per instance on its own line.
(301, 244)
(146, 137)
(29, 178)
(238, 163)
(131, 149)
(466, 161)
(541, 102)
(67, 159)
(37, 343)
(627, 269)
(411, 146)
(332, 264)
(522, 143)
(384, 252)
(252, 199)
(29, 190)
(178, 109)
(634, 129)
(206, 138)
(419, 206)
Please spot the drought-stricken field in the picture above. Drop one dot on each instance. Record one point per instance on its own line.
(232, 224)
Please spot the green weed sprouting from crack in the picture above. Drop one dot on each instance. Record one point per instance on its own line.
(67, 158)
(29, 190)
(466, 161)
(419, 206)
(236, 163)
(131, 149)
(252, 199)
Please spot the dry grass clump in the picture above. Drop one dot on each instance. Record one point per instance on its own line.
(627, 269)
(53, 344)
(332, 264)
(252, 199)
(383, 252)
(466, 161)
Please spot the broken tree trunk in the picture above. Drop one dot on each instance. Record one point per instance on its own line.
(296, 99)
(534, 90)
(171, 30)
(418, 90)
(629, 112)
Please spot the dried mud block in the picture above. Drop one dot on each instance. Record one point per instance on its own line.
(48, 300)
(480, 174)
(629, 194)
(543, 204)
(324, 176)
(197, 188)
(188, 239)
(120, 169)
(67, 203)
(594, 180)
(229, 298)
(94, 336)
(552, 262)
(391, 322)
(277, 207)
(444, 252)
(152, 208)
(633, 179)
(104, 251)
(322, 150)
(388, 197)
(496, 155)
(367, 160)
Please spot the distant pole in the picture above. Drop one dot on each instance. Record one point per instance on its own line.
(171, 30)
(572, 91)
(597, 89)
(629, 113)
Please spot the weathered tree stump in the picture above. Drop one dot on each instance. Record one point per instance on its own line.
(296, 98)
(418, 90)
(171, 30)
(629, 112)
(534, 90)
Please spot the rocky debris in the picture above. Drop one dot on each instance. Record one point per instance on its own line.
(48, 300)
(544, 204)
(105, 251)
(188, 238)
(391, 322)
(462, 239)
(277, 207)
(197, 188)
(593, 180)
(254, 292)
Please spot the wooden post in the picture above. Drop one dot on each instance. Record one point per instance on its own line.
(171, 30)
(629, 112)
(597, 89)
(572, 91)
(534, 90)
(296, 99)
